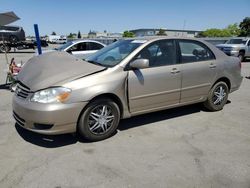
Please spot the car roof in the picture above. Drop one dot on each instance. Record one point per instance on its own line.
(86, 40)
(152, 38)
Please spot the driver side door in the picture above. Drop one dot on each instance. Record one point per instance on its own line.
(159, 85)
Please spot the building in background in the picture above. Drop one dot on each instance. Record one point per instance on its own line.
(169, 32)
(105, 34)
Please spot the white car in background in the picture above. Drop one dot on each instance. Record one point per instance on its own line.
(80, 48)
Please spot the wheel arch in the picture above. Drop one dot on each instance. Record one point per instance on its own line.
(111, 96)
(242, 50)
(224, 79)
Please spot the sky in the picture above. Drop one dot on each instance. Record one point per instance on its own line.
(65, 16)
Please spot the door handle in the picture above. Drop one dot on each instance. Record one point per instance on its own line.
(212, 66)
(175, 70)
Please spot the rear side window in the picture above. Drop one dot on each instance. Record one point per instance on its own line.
(94, 46)
(193, 51)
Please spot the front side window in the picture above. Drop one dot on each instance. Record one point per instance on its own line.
(193, 51)
(62, 47)
(159, 53)
(78, 47)
(114, 53)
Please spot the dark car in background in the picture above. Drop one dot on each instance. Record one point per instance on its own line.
(12, 34)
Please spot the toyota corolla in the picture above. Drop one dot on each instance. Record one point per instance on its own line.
(58, 93)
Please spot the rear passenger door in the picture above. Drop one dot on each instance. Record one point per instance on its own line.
(198, 67)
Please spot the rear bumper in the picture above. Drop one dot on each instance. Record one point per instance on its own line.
(237, 84)
(47, 119)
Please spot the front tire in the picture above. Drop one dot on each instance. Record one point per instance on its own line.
(99, 120)
(13, 39)
(217, 97)
(4, 48)
(241, 56)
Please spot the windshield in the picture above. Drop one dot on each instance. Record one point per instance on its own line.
(114, 53)
(236, 41)
(61, 48)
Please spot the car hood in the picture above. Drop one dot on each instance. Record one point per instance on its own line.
(230, 45)
(54, 68)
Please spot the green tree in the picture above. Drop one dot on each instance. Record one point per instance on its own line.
(233, 29)
(71, 36)
(245, 27)
(79, 35)
(230, 31)
(128, 34)
(53, 33)
(161, 33)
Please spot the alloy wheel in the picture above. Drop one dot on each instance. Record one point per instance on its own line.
(101, 119)
(219, 95)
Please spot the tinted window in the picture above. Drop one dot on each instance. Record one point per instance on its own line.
(94, 46)
(64, 46)
(159, 53)
(78, 47)
(192, 51)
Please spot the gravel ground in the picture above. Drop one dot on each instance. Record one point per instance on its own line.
(182, 147)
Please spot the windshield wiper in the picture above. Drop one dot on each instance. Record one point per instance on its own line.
(95, 62)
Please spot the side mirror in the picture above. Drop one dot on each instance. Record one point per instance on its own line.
(139, 64)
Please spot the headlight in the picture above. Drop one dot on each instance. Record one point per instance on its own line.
(57, 94)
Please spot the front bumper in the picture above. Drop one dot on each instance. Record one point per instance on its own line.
(231, 53)
(60, 118)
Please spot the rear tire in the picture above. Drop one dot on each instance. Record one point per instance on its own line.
(217, 97)
(99, 120)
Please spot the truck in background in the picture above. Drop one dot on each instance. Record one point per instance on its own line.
(239, 47)
(57, 39)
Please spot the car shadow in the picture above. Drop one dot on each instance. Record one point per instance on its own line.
(247, 60)
(47, 141)
(145, 119)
